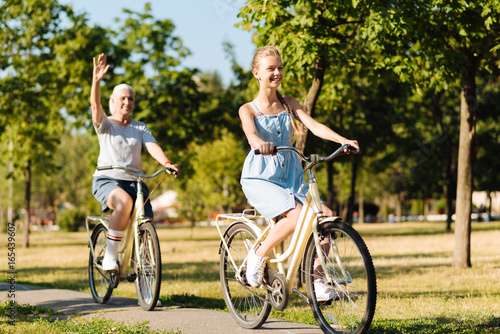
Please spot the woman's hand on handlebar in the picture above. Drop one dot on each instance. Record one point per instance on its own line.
(267, 148)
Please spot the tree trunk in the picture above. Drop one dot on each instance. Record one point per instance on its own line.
(310, 101)
(490, 205)
(449, 201)
(461, 254)
(10, 208)
(27, 199)
(449, 186)
(399, 206)
(350, 204)
(330, 196)
(361, 209)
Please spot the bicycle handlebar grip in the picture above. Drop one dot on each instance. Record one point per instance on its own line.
(257, 151)
(171, 171)
(104, 167)
(352, 149)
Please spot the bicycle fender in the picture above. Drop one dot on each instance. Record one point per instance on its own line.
(331, 219)
(256, 229)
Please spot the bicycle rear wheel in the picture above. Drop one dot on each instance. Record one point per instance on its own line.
(250, 307)
(350, 266)
(99, 280)
(148, 281)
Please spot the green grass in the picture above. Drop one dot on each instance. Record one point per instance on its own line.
(35, 320)
(418, 289)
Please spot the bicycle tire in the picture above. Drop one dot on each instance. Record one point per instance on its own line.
(353, 306)
(99, 280)
(250, 307)
(148, 280)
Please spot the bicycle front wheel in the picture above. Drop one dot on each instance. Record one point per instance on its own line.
(249, 306)
(354, 285)
(99, 280)
(148, 269)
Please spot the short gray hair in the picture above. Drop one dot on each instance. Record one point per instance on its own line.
(117, 88)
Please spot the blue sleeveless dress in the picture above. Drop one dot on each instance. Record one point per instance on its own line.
(272, 183)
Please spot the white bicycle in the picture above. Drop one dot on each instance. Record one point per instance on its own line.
(322, 248)
(139, 249)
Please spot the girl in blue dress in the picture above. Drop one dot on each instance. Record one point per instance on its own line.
(272, 182)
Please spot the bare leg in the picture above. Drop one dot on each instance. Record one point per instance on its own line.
(325, 244)
(121, 202)
(283, 229)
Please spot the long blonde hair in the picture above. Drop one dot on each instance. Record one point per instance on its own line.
(266, 51)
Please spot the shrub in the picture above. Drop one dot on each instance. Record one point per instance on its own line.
(70, 219)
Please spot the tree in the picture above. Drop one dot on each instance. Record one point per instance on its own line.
(147, 55)
(30, 109)
(312, 37)
(214, 181)
(42, 47)
(438, 43)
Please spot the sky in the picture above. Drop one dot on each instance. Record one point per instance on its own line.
(202, 25)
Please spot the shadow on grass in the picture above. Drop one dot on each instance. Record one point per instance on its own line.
(417, 229)
(438, 325)
(207, 271)
(192, 301)
(79, 283)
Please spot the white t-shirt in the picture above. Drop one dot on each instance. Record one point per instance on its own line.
(121, 146)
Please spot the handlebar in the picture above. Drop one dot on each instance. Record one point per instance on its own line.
(137, 176)
(314, 159)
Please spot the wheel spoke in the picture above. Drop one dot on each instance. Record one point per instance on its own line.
(353, 283)
(248, 306)
(148, 267)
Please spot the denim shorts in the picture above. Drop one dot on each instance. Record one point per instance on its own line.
(103, 185)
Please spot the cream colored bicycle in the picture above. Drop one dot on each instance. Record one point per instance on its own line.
(321, 248)
(139, 249)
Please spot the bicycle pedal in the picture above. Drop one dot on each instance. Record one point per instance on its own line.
(131, 277)
(114, 279)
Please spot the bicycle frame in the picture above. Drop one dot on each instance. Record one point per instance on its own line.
(307, 224)
(131, 231)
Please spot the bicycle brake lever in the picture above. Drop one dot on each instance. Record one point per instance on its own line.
(352, 149)
(171, 171)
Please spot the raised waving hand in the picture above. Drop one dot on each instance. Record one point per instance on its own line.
(100, 67)
(100, 70)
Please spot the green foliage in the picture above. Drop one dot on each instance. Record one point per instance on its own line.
(304, 31)
(213, 183)
(70, 219)
(168, 98)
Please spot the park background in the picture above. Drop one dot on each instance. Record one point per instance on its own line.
(416, 83)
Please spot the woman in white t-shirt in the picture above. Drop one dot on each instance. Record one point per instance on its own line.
(121, 140)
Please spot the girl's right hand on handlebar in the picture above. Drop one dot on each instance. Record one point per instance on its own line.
(267, 148)
(354, 146)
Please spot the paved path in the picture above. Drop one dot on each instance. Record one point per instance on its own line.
(187, 321)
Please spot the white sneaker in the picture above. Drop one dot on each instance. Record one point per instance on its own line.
(323, 291)
(255, 269)
(109, 263)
